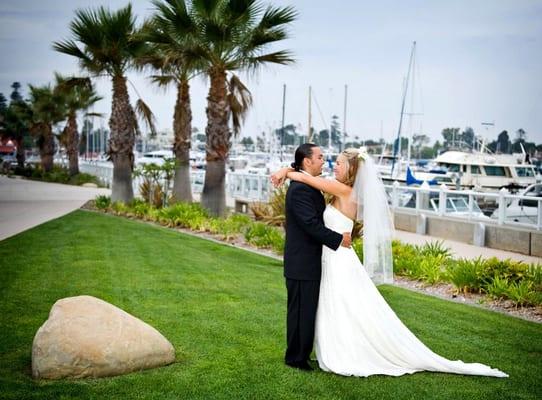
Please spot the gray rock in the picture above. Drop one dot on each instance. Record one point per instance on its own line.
(88, 337)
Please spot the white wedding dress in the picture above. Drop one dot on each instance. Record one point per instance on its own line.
(357, 333)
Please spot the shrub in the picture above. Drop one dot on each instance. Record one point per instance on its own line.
(140, 208)
(82, 178)
(186, 215)
(405, 258)
(434, 249)
(534, 275)
(102, 202)
(57, 174)
(433, 268)
(521, 293)
(151, 192)
(265, 236)
(230, 227)
(513, 271)
(467, 275)
(497, 288)
(274, 212)
(120, 208)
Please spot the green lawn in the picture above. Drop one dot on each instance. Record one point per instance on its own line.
(224, 311)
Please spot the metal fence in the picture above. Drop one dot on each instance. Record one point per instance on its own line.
(502, 208)
(248, 187)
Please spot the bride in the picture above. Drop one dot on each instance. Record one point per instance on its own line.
(357, 333)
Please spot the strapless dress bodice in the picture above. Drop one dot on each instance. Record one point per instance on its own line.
(336, 220)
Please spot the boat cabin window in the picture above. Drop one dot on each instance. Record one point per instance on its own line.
(494, 170)
(475, 170)
(528, 203)
(525, 171)
(451, 167)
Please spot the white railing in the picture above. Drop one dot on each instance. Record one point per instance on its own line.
(248, 187)
(441, 201)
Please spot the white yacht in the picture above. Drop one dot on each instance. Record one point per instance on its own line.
(487, 171)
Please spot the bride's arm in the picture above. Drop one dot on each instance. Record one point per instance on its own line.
(330, 186)
(279, 177)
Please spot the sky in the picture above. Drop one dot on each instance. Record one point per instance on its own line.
(476, 61)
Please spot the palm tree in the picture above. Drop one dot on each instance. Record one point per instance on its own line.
(46, 110)
(168, 55)
(110, 42)
(231, 35)
(77, 94)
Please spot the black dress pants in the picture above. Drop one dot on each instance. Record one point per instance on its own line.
(301, 318)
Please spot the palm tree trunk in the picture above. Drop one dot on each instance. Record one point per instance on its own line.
(121, 143)
(47, 149)
(19, 141)
(218, 135)
(72, 144)
(182, 128)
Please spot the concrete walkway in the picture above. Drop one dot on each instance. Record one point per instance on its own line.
(25, 204)
(465, 250)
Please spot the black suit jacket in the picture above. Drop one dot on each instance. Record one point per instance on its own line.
(306, 233)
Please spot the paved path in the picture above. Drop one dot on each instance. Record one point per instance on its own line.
(463, 249)
(25, 204)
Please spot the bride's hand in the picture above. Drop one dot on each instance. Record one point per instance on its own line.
(278, 178)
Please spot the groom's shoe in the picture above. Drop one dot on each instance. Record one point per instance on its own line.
(302, 365)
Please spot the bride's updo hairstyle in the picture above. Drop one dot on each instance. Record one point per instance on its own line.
(302, 152)
(353, 161)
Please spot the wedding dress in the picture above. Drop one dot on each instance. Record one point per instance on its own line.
(357, 333)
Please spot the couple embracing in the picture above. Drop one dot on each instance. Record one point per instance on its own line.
(333, 303)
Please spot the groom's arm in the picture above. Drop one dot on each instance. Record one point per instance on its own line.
(304, 212)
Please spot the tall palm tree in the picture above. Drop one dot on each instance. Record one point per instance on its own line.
(228, 36)
(46, 110)
(77, 94)
(168, 54)
(108, 43)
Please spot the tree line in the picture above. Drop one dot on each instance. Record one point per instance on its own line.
(182, 39)
(421, 146)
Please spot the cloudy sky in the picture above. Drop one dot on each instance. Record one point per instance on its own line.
(476, 61)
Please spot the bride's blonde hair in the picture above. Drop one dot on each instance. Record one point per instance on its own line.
(353, 161)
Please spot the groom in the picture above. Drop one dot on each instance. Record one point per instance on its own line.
(305, 235)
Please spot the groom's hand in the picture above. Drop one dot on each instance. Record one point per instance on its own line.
(347, 240)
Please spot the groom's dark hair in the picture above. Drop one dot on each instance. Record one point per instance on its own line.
(302, 152)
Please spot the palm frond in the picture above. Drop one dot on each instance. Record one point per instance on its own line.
(239, 100)
(163, 80)
(283, 57)
(94, 114)
(145, 113)
(276, 16)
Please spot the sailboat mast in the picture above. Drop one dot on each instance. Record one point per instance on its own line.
(282, 124)
(309, 132)
(397, 149)
(344, 118)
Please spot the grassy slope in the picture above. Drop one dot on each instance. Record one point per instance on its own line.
(223, 310)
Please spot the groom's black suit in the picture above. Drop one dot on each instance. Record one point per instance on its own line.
(305, 235)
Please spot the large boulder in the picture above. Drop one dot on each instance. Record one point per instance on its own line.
(85, 336)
